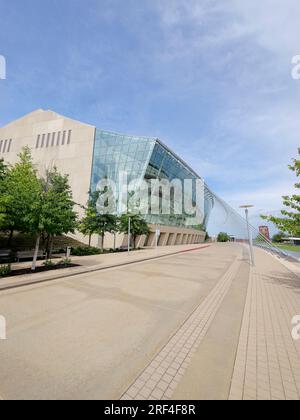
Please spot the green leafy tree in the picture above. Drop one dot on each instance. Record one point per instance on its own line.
(20, 192)
(57, 213)
(3, 175)
(290, 222)
(88, 225)
(3, 170)
(95, 223)
(107, 223)
(53, 212)
(138, 226)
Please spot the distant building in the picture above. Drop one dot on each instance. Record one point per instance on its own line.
(265, 231)
(294, 241)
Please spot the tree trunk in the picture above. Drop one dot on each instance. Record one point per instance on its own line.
(90, 240)
(134, 237)
(50, 247)
(35, 257)
(115, 239)
(102, 242)
(11, 233)
(46, 243)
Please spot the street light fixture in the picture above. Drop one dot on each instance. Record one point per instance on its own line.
(246, 207)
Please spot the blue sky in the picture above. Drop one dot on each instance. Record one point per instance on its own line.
(212, 79)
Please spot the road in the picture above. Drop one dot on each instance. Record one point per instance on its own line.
(89, 336)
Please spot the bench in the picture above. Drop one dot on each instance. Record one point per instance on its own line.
(5, 254)
(125, 248)
(26, 255)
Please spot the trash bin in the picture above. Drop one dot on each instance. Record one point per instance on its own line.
(68, 253)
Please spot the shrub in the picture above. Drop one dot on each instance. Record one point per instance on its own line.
(49, 264)
(5, 270)
(223, 237)
(65, 262)
(81, 251)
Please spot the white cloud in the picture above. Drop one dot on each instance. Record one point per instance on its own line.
(274, 23)
(265, 199)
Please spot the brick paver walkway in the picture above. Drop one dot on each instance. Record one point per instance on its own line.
(268, 358)
(160, 379)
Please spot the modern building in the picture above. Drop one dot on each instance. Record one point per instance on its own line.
(88, 155)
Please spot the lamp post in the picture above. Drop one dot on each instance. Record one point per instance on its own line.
(129, 234)
(246, 208)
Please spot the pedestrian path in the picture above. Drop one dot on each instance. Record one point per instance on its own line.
(268, 358)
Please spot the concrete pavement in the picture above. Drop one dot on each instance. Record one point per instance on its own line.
(89, 337)
(196, 325)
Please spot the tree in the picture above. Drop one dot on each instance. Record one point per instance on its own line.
(57, 213)
(20, 191)
(88, 224)
(3, 175)
(223, 237)
(107, 223)
(138, 226)
(53, 212)
(3, 170)
(278, 237)
(290, 222)
(32, 205)
(96, 223)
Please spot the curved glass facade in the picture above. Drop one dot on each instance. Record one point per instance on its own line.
(144, 159)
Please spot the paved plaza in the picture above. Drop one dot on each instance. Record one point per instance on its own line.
(199, 324)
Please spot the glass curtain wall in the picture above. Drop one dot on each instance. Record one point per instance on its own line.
(115, 153)
(142, 158)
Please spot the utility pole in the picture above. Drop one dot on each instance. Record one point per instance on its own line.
(129, 234)
(250, 239)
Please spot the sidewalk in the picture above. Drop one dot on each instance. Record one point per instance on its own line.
(95, 263)
(268, 358)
